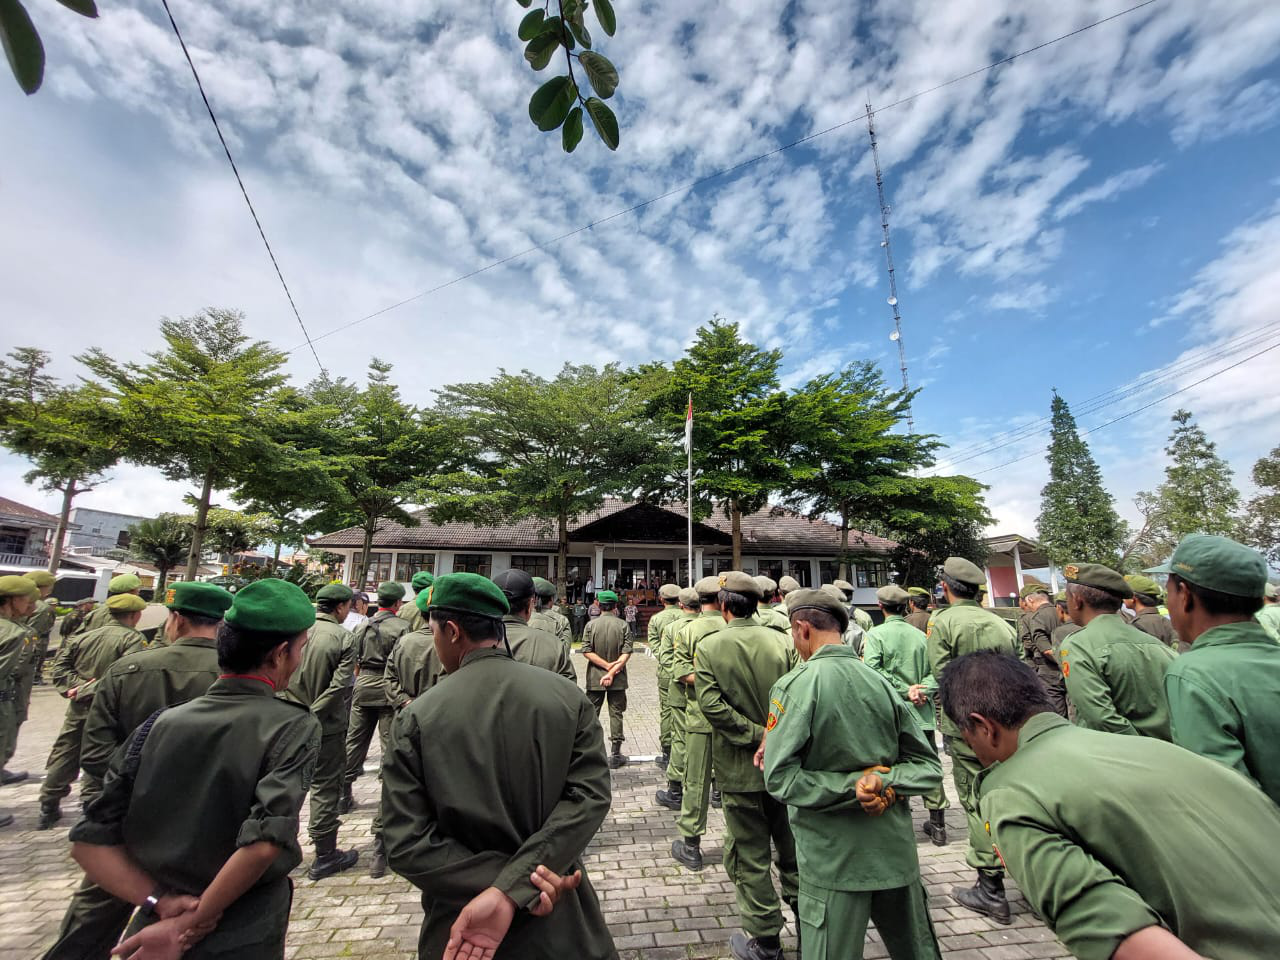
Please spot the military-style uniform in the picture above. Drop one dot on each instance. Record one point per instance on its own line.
(99, 616)
(1107, 835)
(1115, 677)
(607, 637)
(1224, 701)
(1150, 622)
(673, 694)
(226, 770)
(41, 621)
(918, 619)
(830, 719)
(900, 653)
(735, 668)
(475, 797)
(414, 617)
(554, 623)
(1269, 619)
(373, 641)
(775, 619)
(413, 668)
(653, 636)
(861, 618)
(17, 640)
(954, 630)
(692, 821)
(539, 648)
(1036, 631)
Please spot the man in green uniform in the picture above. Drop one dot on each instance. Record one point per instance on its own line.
(18, 597)
(1128, 847)
(787, 585)
(673, 694)
(958, 628)
(854, 635)
(413, 667)
(321, 684)
(1114, 672)
(100, 616)
(479, 801)
(768, 614)
(607, 646)
(134, 688)
(370, 706)
(900, 653)
(197, 823)
(669, 594)
(1036, 628)
(735, 669)
(692, 821)
(1145, 606)
(528, 643)
(856, 613)
(81, 662)
(1224, 693)
(919, 615)
(411, 615)
(32, 655)
(1269, 615)
(843, 752)
(546, 616)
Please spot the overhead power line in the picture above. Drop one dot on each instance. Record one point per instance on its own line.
(717, 175)
(244, 192)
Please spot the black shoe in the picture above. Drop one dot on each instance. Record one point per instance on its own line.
(12, 776)
(985, 897)
(378, 866)
(662, 759)
(688, 851)
(750, 948)
(348, 800)
(616, 759)
(50, 813)
(673, 797)
(716, 800)
(333, 862)
(935, 828)
(6, 819)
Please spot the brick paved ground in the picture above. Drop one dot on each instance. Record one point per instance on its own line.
(657, 909)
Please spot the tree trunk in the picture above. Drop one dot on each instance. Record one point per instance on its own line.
(275, 560)
(735, 520)
(158, 596)
(562, 554)
(197, 535)
(55, 553)
(844, 546)
(362, 568)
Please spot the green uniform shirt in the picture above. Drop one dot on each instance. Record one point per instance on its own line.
(99, 616)
(327, 670)
(86, 657)
(919, 619)
(861, 618)
(900, 653)
(1036, 633)
(1107, 835)
(682, 664)
(413, 668)
(734, 670)
(653, 636)
(608, 638)
(554, 623)
(1269, 618)
(490, 773)
(137, 686)
(42, 618)
(538, 647)
(1115, 677)
(1224, 701)
(775, 619)
(414, 617)
(963, 627)
(666, 648)
(830, 719)
(373, 641)
(1154, 625)
(16, 638)
(1063, 631)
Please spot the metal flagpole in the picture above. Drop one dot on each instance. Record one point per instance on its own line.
(688, 446)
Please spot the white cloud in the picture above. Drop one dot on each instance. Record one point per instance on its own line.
(1032, 297)
(1109, 189)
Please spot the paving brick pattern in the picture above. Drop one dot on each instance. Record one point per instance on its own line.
(657, 909)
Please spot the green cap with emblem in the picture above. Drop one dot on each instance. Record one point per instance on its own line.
(965, 571)
(389, 592)
(336, 592)
(708, 587)
(820, 600)
(606, 596)
(1097, 576)
(544, 588)
(1031, 588)
(41, 578)
(421, 580)
(689, 597)
(892, 594)
(788, 584)
(126, 603)
(669, 591)
(465, 593)
(1218, 563)
(202, 599)
(124, 583)
(918, 592)
(272, 606)
(15, 586)
(735, 581)
(1139, 583)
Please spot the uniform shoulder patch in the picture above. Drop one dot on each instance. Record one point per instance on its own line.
(776, 710)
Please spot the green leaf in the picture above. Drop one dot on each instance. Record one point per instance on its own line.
(531, 25)
(550, 103)
(524, 3)
(572, 9)
(605, 122)
(86, 8)
(541, 48)
(572, 132)
(602, 74)
(604, 13)
(21, 45)
(579, 30)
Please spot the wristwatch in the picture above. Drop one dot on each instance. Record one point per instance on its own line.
(148, 906)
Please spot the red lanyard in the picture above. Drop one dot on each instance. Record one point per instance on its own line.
(248, 676)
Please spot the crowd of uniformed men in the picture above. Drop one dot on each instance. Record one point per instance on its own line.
(1117, 752)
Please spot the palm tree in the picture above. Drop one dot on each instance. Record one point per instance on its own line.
(163, 542)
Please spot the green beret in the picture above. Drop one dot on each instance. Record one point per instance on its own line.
(1218, 563)
(465, 593)
(606, 596)
(272, 606)
(1031, 588)
(421, 580)
(844, 585)
(544, 588)
(15, 586)
(669, 591)
(892, 594)
(337, 592)
(1144, 585)
(1096, 575)
(689, 597)
(1269, 591)
(41, 578)
(918, 592)
(787, 584)
(517, 585)
(966, 571)
(123, 583)
(126, 603)
(708, 587)
(768, 586)
(735, 581)
(202, 599)
(389, 592)
(820, 600)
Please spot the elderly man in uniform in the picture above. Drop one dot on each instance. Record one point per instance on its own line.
(607, 647)
(488, 809)
(1224, 693)
(1129, 848)
(100, 616)
(546, 616)
(18, 597)
(528, 643)
(1145, 607)
(1114, 672)
(669, 594)
(133, 689)
(29, 660)
(900, 653)
(735, 668)
(411, 615)
(843, 752)
(1035, 630)
(962, 627)
(919, 615)
(689, 606)
(1269, 615)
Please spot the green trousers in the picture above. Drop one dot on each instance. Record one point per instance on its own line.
(692, 819)
(91, 926)
(326, 785)
(755, 823)
(964, 771)
(833, 923)
(617, 707)
(365, 718)
(935, 799)
(675, 767)
(64, 759)
(25, 677)
(664, 714)
(8, 723)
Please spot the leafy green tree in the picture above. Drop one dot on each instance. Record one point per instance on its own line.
(1078, 519)
(950, 516)
(202, 409)
(551, 449)
(1263, 511)
(70, 438)
(163, 542)
(231, 532)
(22, 44)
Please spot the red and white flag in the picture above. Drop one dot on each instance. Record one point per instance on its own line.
(688, 427)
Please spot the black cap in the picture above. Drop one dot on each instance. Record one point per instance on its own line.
(515, 584)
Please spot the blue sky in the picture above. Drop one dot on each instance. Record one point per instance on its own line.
(1091, 212)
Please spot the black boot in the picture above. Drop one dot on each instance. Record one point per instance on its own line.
(348, 799)
(329, 859)
(673, 797)
(986, 897)
(688, 850)
(936, 828)
(50, 813)
(664, 758)
(716, 800)
(755, 948)
(378, 867)
(616, 759)
(12, 776)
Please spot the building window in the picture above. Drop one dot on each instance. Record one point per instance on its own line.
(829, 571)
(13, 541)
(481, 563)
(123, 538)
(407, 564)
(799, 570)
(872, 575)
(533, 565)
(379, 570)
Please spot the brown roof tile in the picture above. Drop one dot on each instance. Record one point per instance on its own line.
(12, 508)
